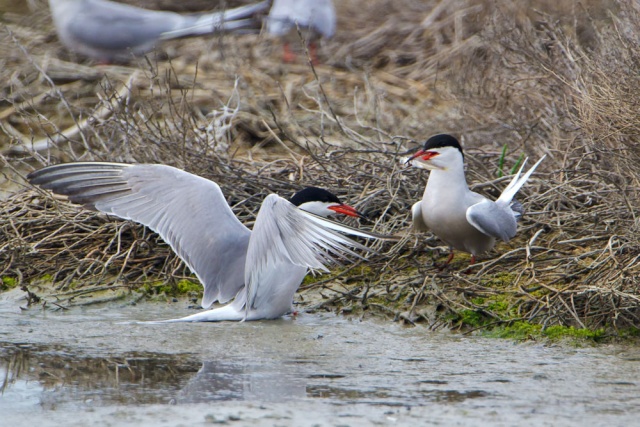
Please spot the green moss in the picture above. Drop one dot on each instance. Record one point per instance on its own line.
(45, 279)
(517, 330)
(497, 316)
(173, 289)
(8, 283)
(186, 286)
(499, 280)
(556, 332)
(630, 333)
(310, 279)
(386, 302)
(521, 330)
(499, 305)
(359, 271)
(472, 318)
(460, 260)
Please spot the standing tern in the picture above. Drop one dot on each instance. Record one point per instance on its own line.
(109, 31)
(315, 18)
(262, 268)
(463, 219)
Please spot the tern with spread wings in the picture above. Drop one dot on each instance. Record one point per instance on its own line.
(259, 269)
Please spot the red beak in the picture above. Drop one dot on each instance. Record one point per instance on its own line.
(346, 210)
(426, 155)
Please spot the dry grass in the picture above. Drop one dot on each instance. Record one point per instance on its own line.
(551, 78)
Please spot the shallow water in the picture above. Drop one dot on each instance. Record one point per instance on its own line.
(86, 366)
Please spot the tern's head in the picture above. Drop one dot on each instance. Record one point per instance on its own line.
(322, 202)
(439, 152)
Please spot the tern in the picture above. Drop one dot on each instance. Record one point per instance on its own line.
(463, 219)
(261, 269)
(315, 18)
(108, 31)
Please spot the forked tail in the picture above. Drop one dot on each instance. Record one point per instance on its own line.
(517, 182)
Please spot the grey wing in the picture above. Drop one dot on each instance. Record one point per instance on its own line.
(116, 26)
(187, 211)
(285, 234)
(493, 219)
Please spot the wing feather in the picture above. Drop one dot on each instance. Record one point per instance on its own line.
(187, 211)
(286, 235)
(493, 219)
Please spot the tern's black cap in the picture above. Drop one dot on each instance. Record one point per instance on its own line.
(442, 140)
(314, 194)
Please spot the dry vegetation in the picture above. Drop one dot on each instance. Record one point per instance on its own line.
(554, 78)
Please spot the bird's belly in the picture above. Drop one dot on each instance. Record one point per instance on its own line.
(455, 230)
(278, 287)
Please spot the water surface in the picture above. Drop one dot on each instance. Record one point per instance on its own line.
(86, 365)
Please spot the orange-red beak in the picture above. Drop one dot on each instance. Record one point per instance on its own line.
(426, 155)
(346, 210)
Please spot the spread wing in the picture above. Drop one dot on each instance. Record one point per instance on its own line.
(494, 219)
(187, 211)
(286, 235)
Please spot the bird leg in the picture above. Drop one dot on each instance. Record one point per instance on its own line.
(288, 55)
(313, 53)
(450, 258)
(473, 261)
(447, 262)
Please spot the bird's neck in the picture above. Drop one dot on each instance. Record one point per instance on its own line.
(450, 180)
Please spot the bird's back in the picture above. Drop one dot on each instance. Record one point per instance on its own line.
(318, 15)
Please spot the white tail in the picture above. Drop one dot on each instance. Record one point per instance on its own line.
(229, 312)
(517, 182)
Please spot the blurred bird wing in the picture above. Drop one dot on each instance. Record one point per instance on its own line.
(118, 26)
(318, 14)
